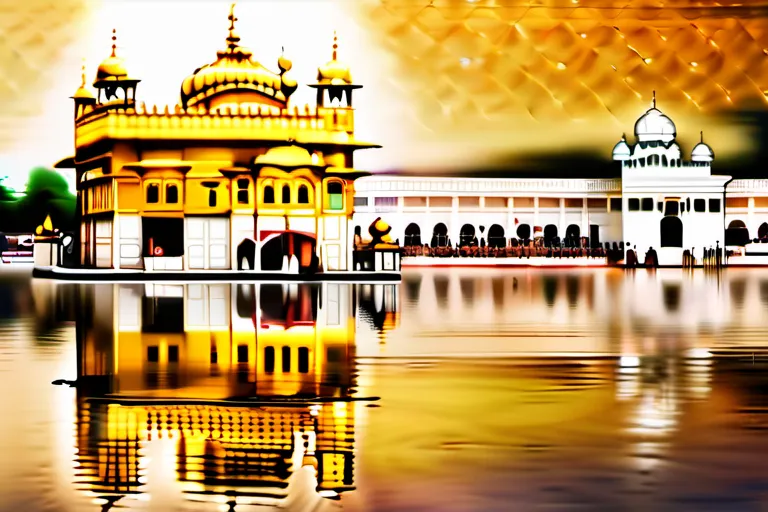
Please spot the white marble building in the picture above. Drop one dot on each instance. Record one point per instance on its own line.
(662, 200)
(668, 203)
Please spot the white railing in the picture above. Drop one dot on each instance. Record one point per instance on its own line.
(476, 186)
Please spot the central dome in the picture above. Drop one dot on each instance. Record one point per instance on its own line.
(655, 126)
(236, 78)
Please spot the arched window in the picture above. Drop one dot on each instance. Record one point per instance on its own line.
(664, 160)
(212, 198)
(550, 234)
(242, 191)
(286, 194)
(572, 235)
(171, 194)
(153, 193)
(496, 236)
(439, 235)
(523, 231)
(269, 359)
(335, 192)
(412, 235)
(737, 233)
(269, 194)
(303, 194)
(467, 235)
(762, 231)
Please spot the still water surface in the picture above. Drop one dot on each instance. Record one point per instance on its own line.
(458, 390)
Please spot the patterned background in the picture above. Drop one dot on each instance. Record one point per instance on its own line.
(474, 84)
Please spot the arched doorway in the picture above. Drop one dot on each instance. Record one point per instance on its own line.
(550, 233)
(496, 236)
(762, 231)
(737, 233)
(671, 232)
(412, 234)
(289, 243)
(439, 235)
(572, 235)
(246, 255)
(467, 235)
(523, 231)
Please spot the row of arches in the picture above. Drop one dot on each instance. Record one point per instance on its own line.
(302, 194)
(494, 237)
(737, 233)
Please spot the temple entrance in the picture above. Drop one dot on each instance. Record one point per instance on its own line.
(671, 232)
(289, 251)
(162, 237)
(246, 255)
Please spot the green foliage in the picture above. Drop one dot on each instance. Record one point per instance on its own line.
(47, 193)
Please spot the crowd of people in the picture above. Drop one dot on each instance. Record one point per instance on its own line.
(521, 248)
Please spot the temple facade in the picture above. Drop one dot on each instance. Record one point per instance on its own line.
(231, 178)
(661, 201)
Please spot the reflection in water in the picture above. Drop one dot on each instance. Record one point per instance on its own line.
(179, 364)
(594, 389)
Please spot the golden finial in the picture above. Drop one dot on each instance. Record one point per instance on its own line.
(654, 98)
(232, 38)
(335, 44)
(114, 41)
(702, 136)
(82, 75)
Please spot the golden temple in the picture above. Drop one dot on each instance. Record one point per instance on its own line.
(233, 177)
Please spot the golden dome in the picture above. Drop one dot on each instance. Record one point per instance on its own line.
(113, 67)
(289, 157)
(235, 71)
(334, 72)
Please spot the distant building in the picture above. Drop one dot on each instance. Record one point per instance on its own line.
(661, 200)
(231, 178)
(669, 204)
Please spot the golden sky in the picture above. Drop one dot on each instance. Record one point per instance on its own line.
(457, 84)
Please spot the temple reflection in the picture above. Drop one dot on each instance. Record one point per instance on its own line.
(248, 385)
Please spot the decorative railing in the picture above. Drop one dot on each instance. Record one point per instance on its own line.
(747, 186)
(438, 186)
(225, 117)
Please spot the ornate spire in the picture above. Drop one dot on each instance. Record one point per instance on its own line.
(335, 44)
(654, 98)
(702, 136)
(114, 42)
(232, 38)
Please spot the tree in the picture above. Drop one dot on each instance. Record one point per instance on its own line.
(47, 193)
